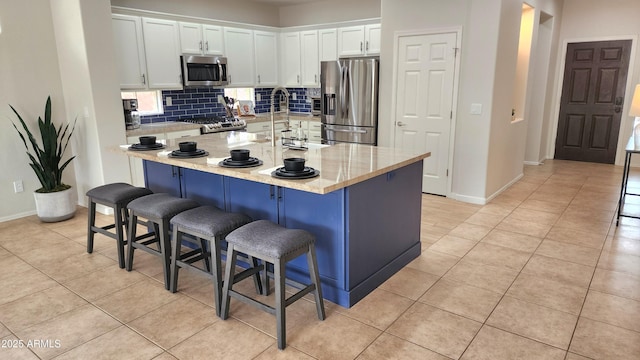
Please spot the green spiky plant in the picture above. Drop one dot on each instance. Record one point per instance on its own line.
(45, 160)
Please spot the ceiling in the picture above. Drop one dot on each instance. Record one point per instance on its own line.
(283, 2)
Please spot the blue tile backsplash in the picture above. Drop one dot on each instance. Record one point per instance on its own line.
(190, 103)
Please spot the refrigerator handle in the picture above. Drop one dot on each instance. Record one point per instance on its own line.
(341, 92)
(356, 131)
(346, 82)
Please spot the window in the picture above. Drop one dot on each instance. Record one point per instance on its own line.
(149, 102)
(240, 94)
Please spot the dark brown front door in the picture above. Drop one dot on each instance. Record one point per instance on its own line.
(595, 77)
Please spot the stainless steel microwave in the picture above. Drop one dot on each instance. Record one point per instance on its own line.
(204, 71)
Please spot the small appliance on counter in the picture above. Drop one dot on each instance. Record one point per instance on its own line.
(131, 116)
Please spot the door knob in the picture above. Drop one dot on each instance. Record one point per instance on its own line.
(400, 123)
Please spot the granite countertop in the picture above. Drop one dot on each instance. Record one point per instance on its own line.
(340, 165)
(280, 116)
(169, 126)
(162, 127)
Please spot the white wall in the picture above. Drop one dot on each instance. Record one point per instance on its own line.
(91, 90)
(29, 73)
(489, 149)
(323, 12)
(229, 10)
(478, 53)
(592, 20)
(508, 140)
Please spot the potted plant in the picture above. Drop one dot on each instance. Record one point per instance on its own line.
(54, 200)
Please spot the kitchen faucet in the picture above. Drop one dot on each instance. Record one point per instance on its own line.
(273, 125)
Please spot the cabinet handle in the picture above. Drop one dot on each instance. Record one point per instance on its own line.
(360, 46)
(144, 79)
(271, 192)
(206, 45)
(367, 47)
(229, 78)
(315, 78)
(200, 45)
(258, 79)
(298, 76)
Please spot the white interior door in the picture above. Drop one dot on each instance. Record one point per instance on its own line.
(424, 99)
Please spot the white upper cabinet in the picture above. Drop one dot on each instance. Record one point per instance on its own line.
(191, 38)
(372, 35)
(266, 52)
(201, 39)
(239, 51)
(310, 75)
(129, 51)
(359, 40)
(300, 64)
(162, 51)
(291, 55)
(328, 44)
(213, 40)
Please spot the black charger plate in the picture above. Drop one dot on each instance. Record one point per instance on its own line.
(251, 162)
(140, 147)
(307, 173)
(190, 154)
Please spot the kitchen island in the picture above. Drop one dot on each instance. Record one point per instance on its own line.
(364, 207)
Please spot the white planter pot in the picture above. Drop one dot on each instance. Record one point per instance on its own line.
(55, 206)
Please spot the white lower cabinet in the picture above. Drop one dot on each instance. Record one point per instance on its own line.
(315, 134)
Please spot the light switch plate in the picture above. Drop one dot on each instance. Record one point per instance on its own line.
(169, 100)
(476, 109)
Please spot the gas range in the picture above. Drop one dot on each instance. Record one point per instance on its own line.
(214, 124)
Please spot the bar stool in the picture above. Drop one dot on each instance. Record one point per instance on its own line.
(277, 245)
(206, 224)
(157, 209)
(116, 196)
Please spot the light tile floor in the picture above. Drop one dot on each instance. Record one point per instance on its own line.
(541, 272)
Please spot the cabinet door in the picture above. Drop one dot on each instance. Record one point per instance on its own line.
(258, 200)
(182, 133)
(213, 40)
(266, 50)
(238, 44)
(309, 59)
(162, 50)
(291, 59)
(351, 41)
(328, 46)
(162, 178)
(203, 187)
(191, 38)
(372, 39)
(129, 51)
(315, 132)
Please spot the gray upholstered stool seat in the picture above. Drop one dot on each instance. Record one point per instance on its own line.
(116, 196)
(212, 225)
(276, 245)
(157, 209)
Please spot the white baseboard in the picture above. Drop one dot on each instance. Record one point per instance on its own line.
(515, 180)
(468, 199)
(17, 216)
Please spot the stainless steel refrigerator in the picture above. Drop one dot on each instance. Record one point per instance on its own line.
(349, 101)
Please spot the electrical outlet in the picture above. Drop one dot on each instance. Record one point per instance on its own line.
(258, 97)
(294, 96)
(168, 100)
(220, 99)
(18, 187)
